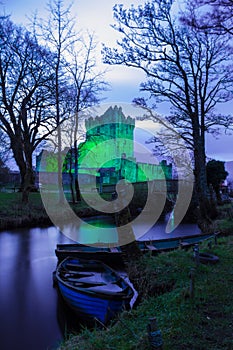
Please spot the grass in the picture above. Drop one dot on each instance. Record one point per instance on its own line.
(199, 323)
(225, 226)
(13, 213)
(224, 222)
(11, 203)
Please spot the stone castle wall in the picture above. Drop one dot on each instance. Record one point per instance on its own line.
(118, 131)
(109, 145)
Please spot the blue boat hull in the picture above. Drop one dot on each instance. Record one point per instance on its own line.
(92, 289)
(89, 307)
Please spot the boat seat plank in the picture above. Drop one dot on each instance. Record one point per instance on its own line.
(107, 288)
(114, 250)
(184, 244)
(151, 247)
(86, 284)
(78, 274)
(83, 267)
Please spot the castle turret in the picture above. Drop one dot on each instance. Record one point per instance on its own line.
(114, 127)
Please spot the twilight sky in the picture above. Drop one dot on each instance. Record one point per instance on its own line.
(97, 16)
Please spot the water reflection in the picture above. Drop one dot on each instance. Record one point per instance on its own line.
(93, 230)
(27, 297)
(102, 229)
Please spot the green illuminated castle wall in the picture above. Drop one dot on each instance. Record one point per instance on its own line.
(110, 145)
(108, 139)
(107, 153)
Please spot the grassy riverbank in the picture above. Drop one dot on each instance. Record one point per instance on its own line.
(15, 214)
(199, 323)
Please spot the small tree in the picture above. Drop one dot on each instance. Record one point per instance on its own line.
(216, 174)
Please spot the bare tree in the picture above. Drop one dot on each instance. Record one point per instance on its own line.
(57, 33)
(26, 86)
(189, 68)
(87, 84)
(215, 16)
(75, 70)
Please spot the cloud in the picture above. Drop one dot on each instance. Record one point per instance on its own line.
(221, 148)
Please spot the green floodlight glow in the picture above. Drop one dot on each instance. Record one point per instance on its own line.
(110, 161)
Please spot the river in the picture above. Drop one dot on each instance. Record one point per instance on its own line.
(32, 316)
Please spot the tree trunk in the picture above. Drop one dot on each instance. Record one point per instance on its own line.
(204, 217)
(23, 159)
(28, 184)
(218, 194)
(77, 190)
(131, 251)
(59, 167)
(71, 181)
(126, 237)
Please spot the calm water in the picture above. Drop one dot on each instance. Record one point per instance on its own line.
(32, 316)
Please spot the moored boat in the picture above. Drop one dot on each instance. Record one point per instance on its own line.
(92, 289)
(108, 255)
(113, 255)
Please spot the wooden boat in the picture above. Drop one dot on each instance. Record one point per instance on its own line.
(110, 256)
(167, 244)
(113, 255)
(92, 289)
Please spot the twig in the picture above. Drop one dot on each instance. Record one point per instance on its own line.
(102, 324)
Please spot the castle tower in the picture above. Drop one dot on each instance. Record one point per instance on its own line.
(113, 127)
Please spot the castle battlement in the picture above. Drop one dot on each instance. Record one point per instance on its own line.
(112, 115)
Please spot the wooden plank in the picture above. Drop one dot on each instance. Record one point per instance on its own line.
(114, 250)
(151, 247)
(184, 244)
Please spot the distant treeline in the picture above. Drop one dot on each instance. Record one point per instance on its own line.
(10, 178)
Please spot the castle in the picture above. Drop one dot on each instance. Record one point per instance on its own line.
(108, 153)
